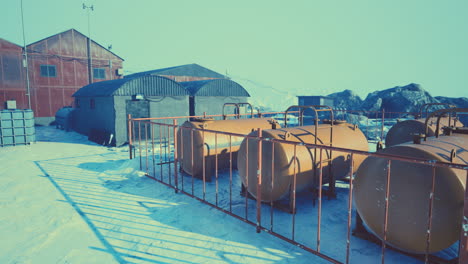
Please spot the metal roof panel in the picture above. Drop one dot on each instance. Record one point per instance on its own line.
(216, 87)
(149, 85)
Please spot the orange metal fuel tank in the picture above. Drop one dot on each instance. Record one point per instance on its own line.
(410, 188)
(214, 146)
(278, 164)
(404, 131)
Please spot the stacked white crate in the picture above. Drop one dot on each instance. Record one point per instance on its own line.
(16, 127)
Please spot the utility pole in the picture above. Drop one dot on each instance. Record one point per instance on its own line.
(25, 60)
(90, 61)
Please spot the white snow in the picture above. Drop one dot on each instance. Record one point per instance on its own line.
(66, 200)
(269, 97)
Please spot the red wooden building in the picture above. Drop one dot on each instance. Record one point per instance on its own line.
(58, 67)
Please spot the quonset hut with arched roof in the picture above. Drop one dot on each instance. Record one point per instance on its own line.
(210, 95)
(103, 106)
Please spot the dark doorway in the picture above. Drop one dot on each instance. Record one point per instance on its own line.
(139, 109)
(191, 105)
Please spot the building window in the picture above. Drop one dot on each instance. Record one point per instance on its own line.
(99, 73)
(92, 104)
(11, 67)
(48, 70)
(77, 103)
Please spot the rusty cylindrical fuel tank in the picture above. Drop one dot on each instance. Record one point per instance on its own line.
(278, 164)
(211, 146)
(410, 188)
(404, 131)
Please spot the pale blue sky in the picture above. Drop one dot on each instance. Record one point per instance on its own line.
(313, 47)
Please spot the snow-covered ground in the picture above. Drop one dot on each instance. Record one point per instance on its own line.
(67, 200)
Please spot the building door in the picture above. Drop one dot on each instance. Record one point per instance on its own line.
(191, 105)
(139, 109)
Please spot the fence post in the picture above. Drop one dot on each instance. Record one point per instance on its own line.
(386, 204)
(259, 180)
(382, 127)
(129, 134)
(463, 252)
(176, 156)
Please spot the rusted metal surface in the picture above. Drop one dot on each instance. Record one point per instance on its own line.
(345, 135)
(411, 191)
(404, 131)
(429, 126)
(204, 143)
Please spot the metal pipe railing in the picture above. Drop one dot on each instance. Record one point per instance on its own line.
(425, 107)
(237, 114)
(261, 143)
(440, 113)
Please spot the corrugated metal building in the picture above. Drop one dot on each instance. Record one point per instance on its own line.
(315, 100)
(208, 89)
(12, 80)
(183, 73)
(104, 106)
(210, 95)
(58, 67)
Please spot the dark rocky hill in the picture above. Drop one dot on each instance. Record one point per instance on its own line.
(346, 99)
(407, 98)
(461, 102)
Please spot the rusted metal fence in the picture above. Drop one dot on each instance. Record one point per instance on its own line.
(303, 223)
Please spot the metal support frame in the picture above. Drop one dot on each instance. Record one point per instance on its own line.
(439, 114)
(238, 105)
(259, 180)
(316, 109)
(425, 108)
(129, 133)
(463, 251)
(259, 140)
